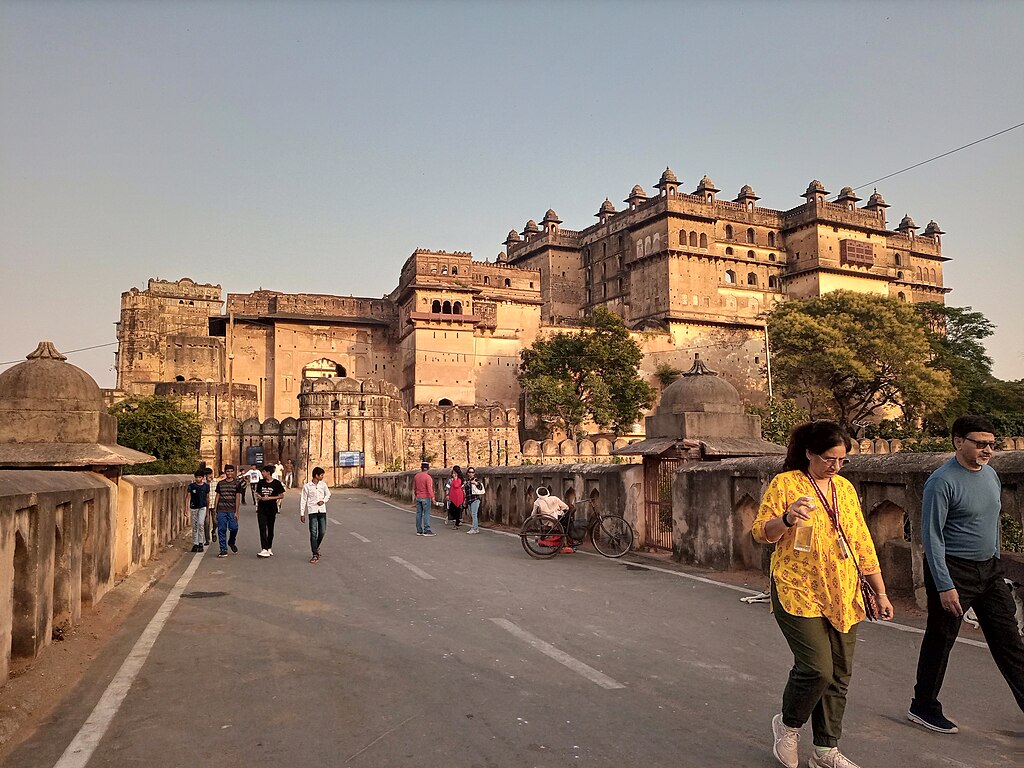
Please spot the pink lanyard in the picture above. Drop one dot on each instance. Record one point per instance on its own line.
(833, 511)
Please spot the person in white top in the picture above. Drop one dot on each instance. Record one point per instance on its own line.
(546, 504)
(313, 504)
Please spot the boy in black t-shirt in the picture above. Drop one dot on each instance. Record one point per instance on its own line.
(269, 492)
(198, 495)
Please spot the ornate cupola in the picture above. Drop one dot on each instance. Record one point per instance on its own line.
(513, 239)
(707, 190)
(848, 198)
(606, 211)
(551, 221)
(815, 192)
(746, 197)
(530, 229)
(932, 231)
(668, 184)
(907, 226)
(636, 198)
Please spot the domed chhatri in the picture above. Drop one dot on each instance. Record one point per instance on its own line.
(700, 389)
(52, 414)
(668, 177)
(906, 224)
(607, 206)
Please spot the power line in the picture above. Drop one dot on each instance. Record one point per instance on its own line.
(937, 157)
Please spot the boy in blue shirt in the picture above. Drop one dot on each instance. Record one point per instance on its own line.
(198, 495)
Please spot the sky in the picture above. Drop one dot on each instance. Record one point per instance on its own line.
(312, 146)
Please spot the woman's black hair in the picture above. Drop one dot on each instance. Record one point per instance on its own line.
(457, 471)
(816, 437)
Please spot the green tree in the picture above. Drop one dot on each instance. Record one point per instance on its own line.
(592, 372)
(154, 425)
(847, 355)
(778, 417)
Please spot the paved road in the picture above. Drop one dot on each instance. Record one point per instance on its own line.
(397, 650)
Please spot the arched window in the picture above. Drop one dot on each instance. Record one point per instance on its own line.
(901, 296)
(682, 237)
(444, 270)
(457, 308)
(487, 279)
(639, 249)
(728, 231)
(730, 277)
(899, 275)
(446, 308)
(751, 278)
(444, 402)
(750, 235)
(455, 270)
(771, 239)
(436, 307)
(899, 261)
(508, 283)
(771, 257)
(919, 278)
(179, 378)
(703, 240)
(693, 240)
(728, 251)
(750, 255)
(773, 281)
(933, 276)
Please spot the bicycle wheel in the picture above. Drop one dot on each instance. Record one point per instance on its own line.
(542, 536)
(612, 536)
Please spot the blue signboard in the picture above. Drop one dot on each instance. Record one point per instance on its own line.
(349, 459)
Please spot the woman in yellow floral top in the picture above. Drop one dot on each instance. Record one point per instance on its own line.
(815, 589)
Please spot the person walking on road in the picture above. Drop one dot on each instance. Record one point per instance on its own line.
(456, 496)
(822, 545)
(198, 496)
(313, 504)
(423, 497)
(474, 494)
(228, 491)
(253, 476)
(269, 492)
(960, 526)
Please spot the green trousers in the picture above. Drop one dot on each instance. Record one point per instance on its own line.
(822, 666)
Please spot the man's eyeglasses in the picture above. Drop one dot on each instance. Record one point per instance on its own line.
(983, 444)
(833, 462)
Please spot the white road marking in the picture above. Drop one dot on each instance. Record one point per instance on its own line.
(418, 571)
(88, 737)
(723, 585)
(577, 666)
(410, 511)
(332, 520)
(361, 538)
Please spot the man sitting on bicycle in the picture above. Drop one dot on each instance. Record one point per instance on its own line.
(547, 504)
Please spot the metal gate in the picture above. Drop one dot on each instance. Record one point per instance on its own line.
(658, 475)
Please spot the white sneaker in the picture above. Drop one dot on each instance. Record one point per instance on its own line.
(831, 759)
(270, 553)
(263, 553)
(787, 743)
(473, 530)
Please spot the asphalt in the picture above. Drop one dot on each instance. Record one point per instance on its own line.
(457, 650)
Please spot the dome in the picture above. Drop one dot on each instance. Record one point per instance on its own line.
(668, 177)
(699, 390)
(815, 187)
(531, 226)
(877, 201)
(513, 237)
(933, 229)
(706, 185)
(746, 190)
(607, 207)
(47, 382)
(847, 193)
(907, 223)
(551, 216)
(637, 191)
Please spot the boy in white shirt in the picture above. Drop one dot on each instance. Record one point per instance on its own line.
(313, 504)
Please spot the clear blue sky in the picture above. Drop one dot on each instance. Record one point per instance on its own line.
(311, 146)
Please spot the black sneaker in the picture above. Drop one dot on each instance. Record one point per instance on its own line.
(429, 533)
(222, 554)
(933, 721)
(233, 548)
(195, 547)
(199, 547)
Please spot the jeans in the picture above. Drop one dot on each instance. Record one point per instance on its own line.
(317, 529)
(423, 515)
(822, 667)
(226, 522)
(474, 510)
(198, 524)
(979, 585)
(266, 520)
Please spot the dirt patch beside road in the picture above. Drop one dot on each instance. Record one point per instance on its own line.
(37, 685)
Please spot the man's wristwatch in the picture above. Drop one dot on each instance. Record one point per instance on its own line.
(785, 519)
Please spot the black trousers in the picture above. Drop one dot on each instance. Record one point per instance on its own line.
(266, 521)
(979, 585)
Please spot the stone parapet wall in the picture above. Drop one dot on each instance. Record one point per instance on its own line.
(881, 446)
(511, 491)
(585, 451)
(66, 538)
(714, 506)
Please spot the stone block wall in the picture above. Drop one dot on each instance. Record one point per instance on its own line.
(714, 505)
(510, 491)
(66, 538)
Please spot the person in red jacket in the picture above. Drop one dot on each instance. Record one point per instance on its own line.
(456, 496)
(423, 496)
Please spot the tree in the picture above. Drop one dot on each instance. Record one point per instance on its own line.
(778, 417)
(154, 425)
(592, 372)
(847, 355)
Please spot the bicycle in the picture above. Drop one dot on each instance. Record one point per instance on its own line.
(544, 536)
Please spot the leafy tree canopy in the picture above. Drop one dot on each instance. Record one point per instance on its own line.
(847, 355)
(154, 425)
(778, 417)
(593, 373)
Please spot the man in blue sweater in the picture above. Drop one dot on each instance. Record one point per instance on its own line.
(960, 533)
